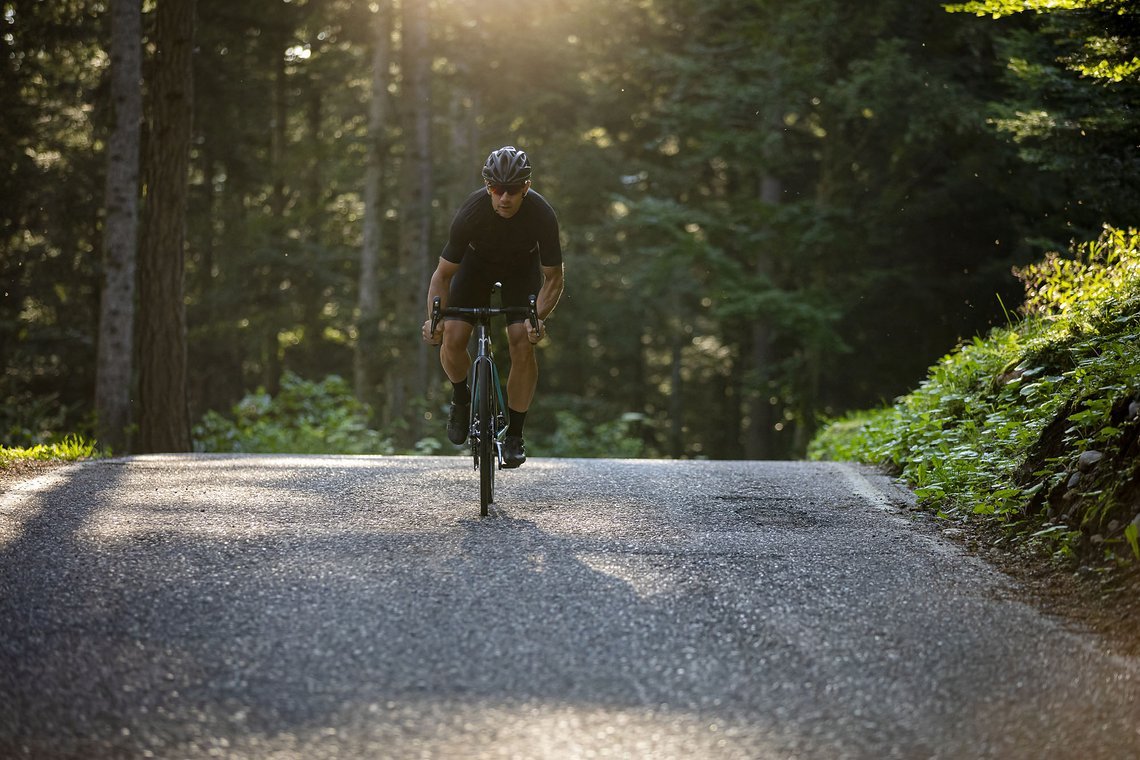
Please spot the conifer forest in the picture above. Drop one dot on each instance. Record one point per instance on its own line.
(771, 212)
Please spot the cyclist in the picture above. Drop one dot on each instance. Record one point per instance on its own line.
(504, 232)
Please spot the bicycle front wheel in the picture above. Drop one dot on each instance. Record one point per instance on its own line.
(486, 436)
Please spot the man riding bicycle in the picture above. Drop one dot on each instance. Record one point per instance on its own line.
(507, 233)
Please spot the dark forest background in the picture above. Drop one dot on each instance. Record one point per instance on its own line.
(772, 212)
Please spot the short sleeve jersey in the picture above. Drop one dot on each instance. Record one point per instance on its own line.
(530, 235)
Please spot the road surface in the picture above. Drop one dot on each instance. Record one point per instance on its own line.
(358, 607)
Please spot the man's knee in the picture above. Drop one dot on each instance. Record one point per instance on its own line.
(456, 335)
(521, 347)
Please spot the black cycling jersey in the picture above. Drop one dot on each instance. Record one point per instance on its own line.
(528, 237)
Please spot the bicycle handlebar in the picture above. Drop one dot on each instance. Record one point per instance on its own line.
(530, 311)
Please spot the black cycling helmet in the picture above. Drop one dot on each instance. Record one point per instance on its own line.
(506, 166)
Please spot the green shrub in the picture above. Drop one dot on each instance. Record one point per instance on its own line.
(304, 418)
(999, 425)
(574, 437)
(851, 436)
(27, 420)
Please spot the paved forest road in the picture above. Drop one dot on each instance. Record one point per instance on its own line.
(315, 607)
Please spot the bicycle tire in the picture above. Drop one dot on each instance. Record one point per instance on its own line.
(486, 433)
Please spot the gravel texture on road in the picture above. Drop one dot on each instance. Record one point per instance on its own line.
(199, 606)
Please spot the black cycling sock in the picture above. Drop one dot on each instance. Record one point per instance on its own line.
(460, 393)
(517, 420)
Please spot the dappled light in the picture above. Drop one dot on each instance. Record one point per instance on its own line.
(193, 605)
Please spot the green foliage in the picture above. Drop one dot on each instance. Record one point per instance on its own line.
(748, 192)
(1095, 281)
(577, 438)
(429, 446)
(1132, 535)
(1069, 105)
(51, 172)
(69, 449)
(1000, 424)
(303, 418)
(999, 8)
(849, 437)
(27, 420)
(768, 220)
(1103, 29)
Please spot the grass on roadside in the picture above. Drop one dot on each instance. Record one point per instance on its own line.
(70, 449)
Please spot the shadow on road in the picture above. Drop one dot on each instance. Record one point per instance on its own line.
(161, 611)
(322, 607)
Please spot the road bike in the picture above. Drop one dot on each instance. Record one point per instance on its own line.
(489, 414)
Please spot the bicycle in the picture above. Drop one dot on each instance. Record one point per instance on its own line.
(489, 414)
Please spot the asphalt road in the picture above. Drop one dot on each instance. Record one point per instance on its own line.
(318, 607)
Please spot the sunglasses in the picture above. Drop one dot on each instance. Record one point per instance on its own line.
(507, 189)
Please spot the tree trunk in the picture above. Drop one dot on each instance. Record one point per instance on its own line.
(463, 160)
(758, 440)
(115, 356)
(165, 420)
(366, 367)
(808, 403)
(676, 396)
(417, 184)
(273, 365)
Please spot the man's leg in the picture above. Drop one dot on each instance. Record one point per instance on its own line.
(453, 352)
(521, 382)
(456, 363)
(523, 377)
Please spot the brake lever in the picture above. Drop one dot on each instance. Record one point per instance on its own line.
(434, 315)
(532, 306)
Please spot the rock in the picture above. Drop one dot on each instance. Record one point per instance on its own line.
(1113, 526)
(1096, 539)
(1134, 410)
(1074, 480)
(1089, 459)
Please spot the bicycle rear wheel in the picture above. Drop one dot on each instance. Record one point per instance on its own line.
(486, 432)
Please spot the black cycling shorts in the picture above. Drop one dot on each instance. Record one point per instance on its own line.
(471, 286)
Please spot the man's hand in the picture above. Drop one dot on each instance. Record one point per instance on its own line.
(534, 336)
(432, 339)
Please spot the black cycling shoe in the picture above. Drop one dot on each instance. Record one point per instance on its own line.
(514, 452)
(458, 420)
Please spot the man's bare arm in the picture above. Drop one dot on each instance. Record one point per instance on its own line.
(552, 285)
(439, 287)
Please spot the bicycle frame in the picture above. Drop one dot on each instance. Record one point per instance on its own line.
(489, 413)
(500, 415)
